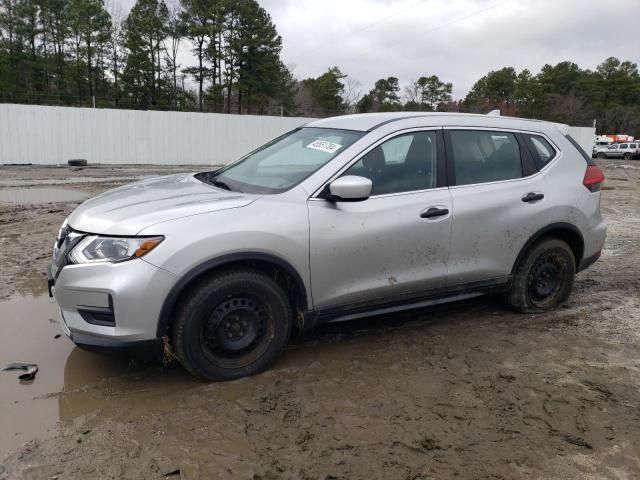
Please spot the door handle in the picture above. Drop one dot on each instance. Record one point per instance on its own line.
(532, 197)
(434, 212)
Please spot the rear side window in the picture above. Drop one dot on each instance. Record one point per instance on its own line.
(541, 150)
(481, 156)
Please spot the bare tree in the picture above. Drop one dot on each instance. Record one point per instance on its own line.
(352, 94)
(114, 7)
(412, 94)
(171, 45)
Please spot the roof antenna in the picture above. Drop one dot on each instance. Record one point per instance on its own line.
(494, 113)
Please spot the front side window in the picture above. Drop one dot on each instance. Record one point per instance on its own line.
(624, 146)
(404, 163)
(484, 156)
(284, 162)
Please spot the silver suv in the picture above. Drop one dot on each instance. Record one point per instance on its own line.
(619, 150)
(344, 218)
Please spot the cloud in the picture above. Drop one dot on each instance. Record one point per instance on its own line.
(458, 40)
(434, 37)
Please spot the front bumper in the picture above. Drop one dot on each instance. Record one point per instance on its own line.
(152, 349)
(112, 306)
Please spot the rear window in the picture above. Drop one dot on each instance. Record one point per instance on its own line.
(581, 151)
(481, 156)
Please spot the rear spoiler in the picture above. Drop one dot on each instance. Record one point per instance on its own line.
(563, 127)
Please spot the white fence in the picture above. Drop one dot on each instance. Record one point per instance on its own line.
(53, 135)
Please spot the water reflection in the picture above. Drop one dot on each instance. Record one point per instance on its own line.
(27, 336)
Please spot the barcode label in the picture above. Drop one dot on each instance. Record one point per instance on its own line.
(324, 146)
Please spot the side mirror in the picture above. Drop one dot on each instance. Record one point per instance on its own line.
(350, 188)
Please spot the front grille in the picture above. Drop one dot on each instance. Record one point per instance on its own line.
(67, 238)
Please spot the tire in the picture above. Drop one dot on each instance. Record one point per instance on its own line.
(601, 155)
(78, 162)
(232, 324)
(544, 278)
(627, 156)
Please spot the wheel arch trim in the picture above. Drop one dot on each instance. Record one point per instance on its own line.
(545, 231)
(215, 263)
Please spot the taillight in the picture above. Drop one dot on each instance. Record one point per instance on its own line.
(593, 178)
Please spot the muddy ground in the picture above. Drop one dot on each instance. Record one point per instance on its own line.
(468, 390)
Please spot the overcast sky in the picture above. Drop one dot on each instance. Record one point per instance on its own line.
(458, 40)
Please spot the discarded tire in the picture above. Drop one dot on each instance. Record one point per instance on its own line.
(77, 162)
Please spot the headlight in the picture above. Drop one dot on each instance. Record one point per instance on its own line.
(93, 249)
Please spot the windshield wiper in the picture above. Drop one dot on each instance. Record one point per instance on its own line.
(221, 184)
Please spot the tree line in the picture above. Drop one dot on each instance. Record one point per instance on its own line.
(74, 52)
(86, 52)
(563, 93)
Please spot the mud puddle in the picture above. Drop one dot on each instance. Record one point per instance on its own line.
(31, 196)
(28, 336)
(73, 386)
(32, 334)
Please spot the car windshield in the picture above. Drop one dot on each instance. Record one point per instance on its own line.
(284, 162)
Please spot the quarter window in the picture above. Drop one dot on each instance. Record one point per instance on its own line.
(402, 164)
(541, 149)
(484, 156)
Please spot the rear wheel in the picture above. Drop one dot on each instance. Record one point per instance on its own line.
(544, 278)
(628, 156)
(232, 325)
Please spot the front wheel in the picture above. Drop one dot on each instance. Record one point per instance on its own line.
(628, 156)
(544, 278)
(232, 324)
(601, 155)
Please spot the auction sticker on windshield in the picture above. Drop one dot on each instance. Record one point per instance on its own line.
(323, 146)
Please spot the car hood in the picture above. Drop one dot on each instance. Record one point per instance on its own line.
(129, 209)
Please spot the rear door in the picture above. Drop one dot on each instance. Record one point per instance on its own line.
(614, 151)
(623, 150)
(394, 244)
(498, 200)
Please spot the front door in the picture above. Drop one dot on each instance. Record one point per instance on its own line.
(396, 243)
